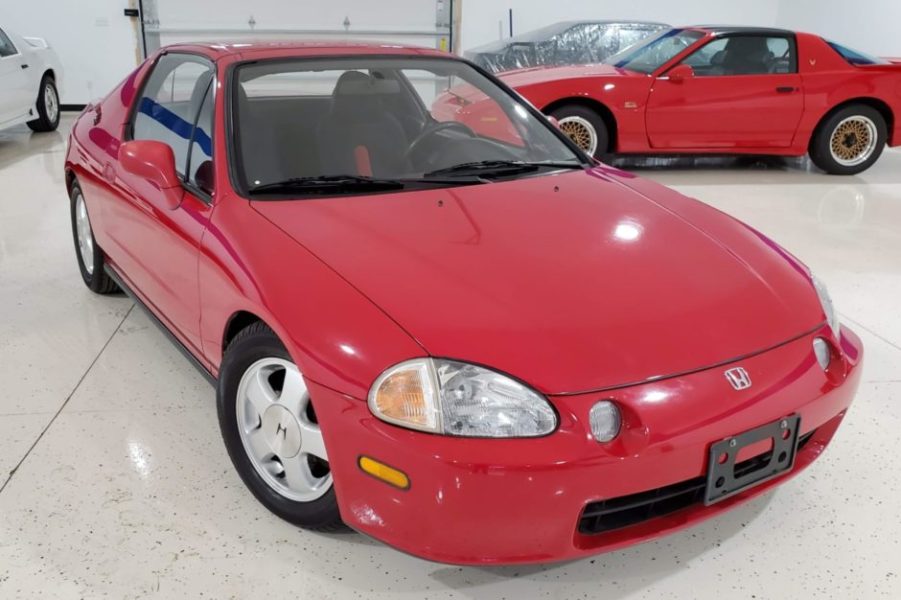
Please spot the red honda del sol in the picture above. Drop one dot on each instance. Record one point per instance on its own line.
(468, 340)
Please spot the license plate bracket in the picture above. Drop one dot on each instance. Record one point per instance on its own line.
(725, 480)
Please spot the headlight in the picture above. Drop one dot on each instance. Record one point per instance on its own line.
(455, 398)
(828, 308)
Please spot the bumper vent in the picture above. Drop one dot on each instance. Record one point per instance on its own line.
(616, 513)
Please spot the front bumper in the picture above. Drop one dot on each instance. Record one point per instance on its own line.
(478, 501)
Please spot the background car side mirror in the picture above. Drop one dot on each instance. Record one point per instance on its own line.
(680, 73)
(154, 162)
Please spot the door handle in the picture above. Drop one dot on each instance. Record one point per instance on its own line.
(24, 66)
(786, 89)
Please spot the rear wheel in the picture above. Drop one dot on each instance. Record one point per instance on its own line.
(585, 127)
(47, 106)
(850, 140)
(88, 254)
(271, 431)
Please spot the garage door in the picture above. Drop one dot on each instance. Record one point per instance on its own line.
(418, 22)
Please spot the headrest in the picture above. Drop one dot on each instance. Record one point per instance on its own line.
(748, 45)
(351, 83)
(356, 83)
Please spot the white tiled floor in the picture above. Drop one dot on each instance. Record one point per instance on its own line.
(129, 492)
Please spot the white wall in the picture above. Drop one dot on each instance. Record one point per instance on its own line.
(867, 25)
(97, 45)
(481, 17)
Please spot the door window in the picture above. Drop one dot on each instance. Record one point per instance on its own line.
(744, 55)
(7, 48)
(170, 104)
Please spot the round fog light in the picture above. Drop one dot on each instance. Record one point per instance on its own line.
(823, 352)
(605, 421)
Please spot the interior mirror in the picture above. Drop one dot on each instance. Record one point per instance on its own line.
(680, 73)
(153, 162)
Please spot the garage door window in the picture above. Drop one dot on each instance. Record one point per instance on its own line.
(170, 103)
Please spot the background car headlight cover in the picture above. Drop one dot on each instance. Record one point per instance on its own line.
(456, 398)
(828, 308)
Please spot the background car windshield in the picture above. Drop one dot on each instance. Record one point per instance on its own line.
(651, 55)
(386, 118)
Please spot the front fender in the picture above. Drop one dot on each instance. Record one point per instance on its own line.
(336, 335)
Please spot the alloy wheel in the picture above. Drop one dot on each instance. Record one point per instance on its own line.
(581, 132)
(853, 141)
(280, 432)
(83, 232)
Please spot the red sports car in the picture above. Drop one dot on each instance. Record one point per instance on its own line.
(716, 90)
(478, 347)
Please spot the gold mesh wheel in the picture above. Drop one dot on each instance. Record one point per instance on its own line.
(581, 132)
(853, 141)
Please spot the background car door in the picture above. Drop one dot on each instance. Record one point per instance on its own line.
(160, 245)
(16, 95)
(745, 93)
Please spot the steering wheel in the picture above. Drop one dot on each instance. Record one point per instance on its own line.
(431, 130)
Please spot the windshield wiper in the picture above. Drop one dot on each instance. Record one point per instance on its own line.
(328, 183)
(486, 168)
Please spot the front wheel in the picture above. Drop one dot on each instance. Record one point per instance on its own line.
(271, 431)
(47, 106)
(849, 141)
(585, 127)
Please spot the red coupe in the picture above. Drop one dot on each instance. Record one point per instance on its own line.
(723, 90)
(476, 347)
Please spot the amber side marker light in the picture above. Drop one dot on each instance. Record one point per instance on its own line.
(383, 472)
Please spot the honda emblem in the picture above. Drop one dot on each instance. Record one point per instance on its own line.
(738, 378)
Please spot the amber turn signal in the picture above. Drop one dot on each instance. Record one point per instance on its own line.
(383, 472)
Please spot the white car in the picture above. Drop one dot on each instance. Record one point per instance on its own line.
(30, 75)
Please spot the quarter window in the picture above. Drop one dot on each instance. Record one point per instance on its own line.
(7, 48)
(170, 105)
(744, 55)
(200, 160)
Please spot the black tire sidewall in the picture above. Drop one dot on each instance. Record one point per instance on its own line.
(600, 127)
(246, 349)
(43, 123)
(821, 151)
(94, 280)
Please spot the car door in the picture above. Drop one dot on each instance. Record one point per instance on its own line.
(742, 91)
(16, 95)
(160, 246)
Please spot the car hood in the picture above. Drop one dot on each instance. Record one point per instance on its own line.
(524, 77)
(572, 282)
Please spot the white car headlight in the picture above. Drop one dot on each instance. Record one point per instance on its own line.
(828, 308)
(455, 398)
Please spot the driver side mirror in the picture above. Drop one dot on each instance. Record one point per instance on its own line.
(154, 163)
(680, 73)
(554, 121)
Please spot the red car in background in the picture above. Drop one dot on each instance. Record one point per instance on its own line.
(721, 90)
(473, 343)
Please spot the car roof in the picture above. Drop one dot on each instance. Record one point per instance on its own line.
(312, 47)
(725, 29)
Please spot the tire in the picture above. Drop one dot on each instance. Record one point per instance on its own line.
(88, 254)
(47, 106)
(585, 127)
(849, 140)
(270, 434)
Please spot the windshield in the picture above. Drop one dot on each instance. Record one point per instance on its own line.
(649, 56)
(358, 124)
(855, 57)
